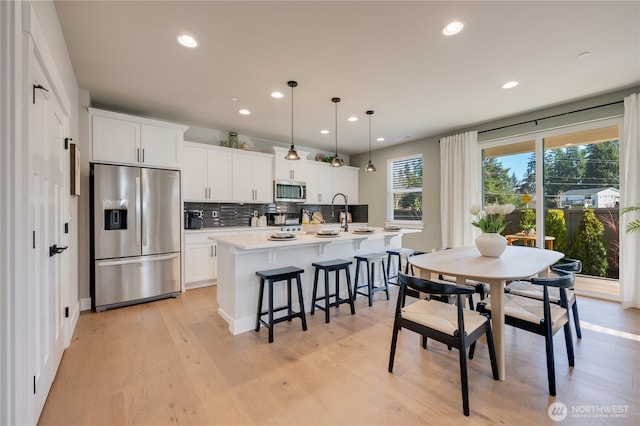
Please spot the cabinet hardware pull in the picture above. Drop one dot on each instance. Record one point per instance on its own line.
(143, 155)
(138, 155)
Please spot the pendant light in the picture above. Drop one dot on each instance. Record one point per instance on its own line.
(336, 162)
(370, 167)
(292, 154)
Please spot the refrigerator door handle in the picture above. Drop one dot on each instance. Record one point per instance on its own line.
(117, 262)
(138, 213)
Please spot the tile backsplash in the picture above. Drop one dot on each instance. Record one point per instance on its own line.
(235, 214)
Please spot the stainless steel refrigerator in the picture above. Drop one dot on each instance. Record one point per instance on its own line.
(135, 234)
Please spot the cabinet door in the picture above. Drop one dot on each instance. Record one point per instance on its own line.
(242, 182)
(194, 174)
(219, 175)
(115, 141)
(288, 169)
(319, 183)
(262, 179)
(160, 146)
(345, 180)
(199, 262)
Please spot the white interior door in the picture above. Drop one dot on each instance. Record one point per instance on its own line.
(47, 213)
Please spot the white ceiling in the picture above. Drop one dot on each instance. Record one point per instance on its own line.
(388, 56)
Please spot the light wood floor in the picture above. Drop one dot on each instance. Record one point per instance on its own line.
(174, 362)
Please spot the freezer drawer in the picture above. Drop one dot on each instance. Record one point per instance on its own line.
(120, 282)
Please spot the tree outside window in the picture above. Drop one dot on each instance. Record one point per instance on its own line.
(405, 189)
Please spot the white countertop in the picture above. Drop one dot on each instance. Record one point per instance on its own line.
(260, 240)
(273, 229)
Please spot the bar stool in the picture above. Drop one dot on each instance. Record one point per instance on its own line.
(336, 265)
(274, 275)
(409, 267)
(371, 260)
(392, 254)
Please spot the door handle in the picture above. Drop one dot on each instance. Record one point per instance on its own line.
(54, 249)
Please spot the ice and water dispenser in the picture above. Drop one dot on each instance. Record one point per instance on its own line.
(115, 214)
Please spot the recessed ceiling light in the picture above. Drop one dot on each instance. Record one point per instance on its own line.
(187, 40)
(453, 28)
(380, 140)
(324, 132)
(277, 95)
(352, 118)
(244, 112)
(510, 85)
(233, 98)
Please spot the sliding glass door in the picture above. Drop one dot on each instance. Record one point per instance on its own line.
(571, 176)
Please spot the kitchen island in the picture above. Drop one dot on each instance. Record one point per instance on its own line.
(240, 256)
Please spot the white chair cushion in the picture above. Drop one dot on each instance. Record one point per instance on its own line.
(526, 289)
(442, 316)
(531, 310)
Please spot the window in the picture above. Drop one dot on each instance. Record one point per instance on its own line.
(404, 189)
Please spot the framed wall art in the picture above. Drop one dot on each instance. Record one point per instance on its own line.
(74, 163)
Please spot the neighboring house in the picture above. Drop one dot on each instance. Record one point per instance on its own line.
(591, 197)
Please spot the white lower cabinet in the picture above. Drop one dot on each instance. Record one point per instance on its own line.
(200, 260)
(201, 255)
(200, 264)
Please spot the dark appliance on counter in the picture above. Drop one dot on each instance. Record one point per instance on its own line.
(135, 235)
(289, 191)
(193, 219)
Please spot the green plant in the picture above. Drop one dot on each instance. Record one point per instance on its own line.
(527, 219)
(555, 226)
(588, 245)
(633, 226)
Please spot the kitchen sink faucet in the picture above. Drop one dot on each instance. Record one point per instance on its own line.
(346, 210)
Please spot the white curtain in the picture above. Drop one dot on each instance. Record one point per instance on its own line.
(460, 187)
(630, 196)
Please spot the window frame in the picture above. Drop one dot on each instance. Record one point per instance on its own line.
(391, 192)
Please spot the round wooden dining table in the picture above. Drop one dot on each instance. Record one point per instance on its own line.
(517, 262)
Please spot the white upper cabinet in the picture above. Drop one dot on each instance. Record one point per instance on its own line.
(345, 180)
(206, 173)
(295, 170)
(252, 178)
(126, 139)
(320, 183)
(325, 181)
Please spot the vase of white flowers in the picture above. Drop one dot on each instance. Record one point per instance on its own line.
(491, 222)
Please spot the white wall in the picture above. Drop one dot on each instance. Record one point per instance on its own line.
(373, 189)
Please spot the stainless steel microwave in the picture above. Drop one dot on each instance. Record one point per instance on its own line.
(289, 191)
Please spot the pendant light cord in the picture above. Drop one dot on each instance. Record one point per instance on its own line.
(292, 86)
(369, 113)
(335, 101)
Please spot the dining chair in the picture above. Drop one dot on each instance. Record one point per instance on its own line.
(542, 317)
(452, 325)
(526, 289)
(480, 288)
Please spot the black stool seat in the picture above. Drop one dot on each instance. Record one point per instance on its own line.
(392, 275)
(370, 260)
(287, 273)
(336, 265)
